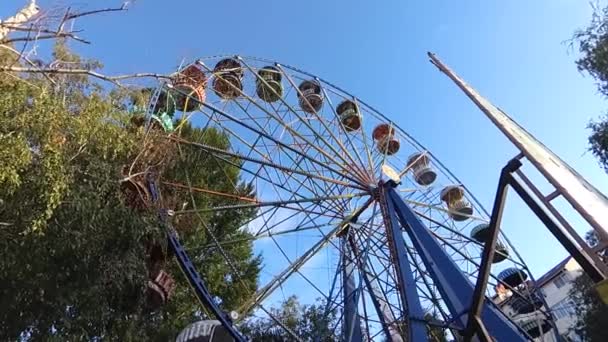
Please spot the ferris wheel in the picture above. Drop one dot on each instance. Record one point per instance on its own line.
(342, 204)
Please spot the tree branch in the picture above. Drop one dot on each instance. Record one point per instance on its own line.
(112, 79)
(82, 14)
(15, 24)
(20, 55)
(28, 38)
(70, 16)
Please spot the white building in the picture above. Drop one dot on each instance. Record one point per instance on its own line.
(555, 286)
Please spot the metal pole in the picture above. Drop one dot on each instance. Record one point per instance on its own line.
(474, 324)
(591, 204)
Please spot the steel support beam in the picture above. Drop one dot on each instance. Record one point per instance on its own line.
(410, 300)
(475, 324)
(195, 280)
(352, 320)
(383, 310)
(578, 254)
(564, 223)
(454, 286)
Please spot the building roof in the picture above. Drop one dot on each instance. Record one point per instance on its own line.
(552, 272)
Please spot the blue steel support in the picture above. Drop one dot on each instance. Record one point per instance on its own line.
(385, 315)
(352, 320)
(190, 272)
(408, 293)
(455, 288)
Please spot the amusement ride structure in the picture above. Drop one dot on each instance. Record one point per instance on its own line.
(350, 208)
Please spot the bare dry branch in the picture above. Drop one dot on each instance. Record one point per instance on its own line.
(40, 28)
(30, 62)
(31, 28)
(56, 35)
(82, 14)
(112, 79)
(15, 24)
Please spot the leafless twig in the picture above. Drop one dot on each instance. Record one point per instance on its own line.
(30, 62)
(82, 14)
(44, 27)
(112, 79)
(71, 16)
(41, 27)
(28, 38)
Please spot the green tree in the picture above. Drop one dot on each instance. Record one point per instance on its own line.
(308, 322)
(74, 248)
(592, 43)
(435, 332)
(591, 312)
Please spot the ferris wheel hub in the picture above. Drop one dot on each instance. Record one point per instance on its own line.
(391, 174)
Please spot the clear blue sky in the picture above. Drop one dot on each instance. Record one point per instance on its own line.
(513, 52)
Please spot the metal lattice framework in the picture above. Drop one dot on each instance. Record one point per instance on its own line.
(337, 187)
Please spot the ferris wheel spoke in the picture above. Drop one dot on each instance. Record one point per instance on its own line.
(366, 315)
(345, 151)
(331, 188)
(267, 229)
(447, 211)
(282, 204)
(330, 302)
(316, 187)
(385, 271)
(276, 118)
(252, 147)
(210, 192)
(269, 288)
(297, 271)
(280, 323)
(463, 238)
(299, 164)
(360, 172)
(278, 280)
(304, 121)
(350, 141)
(297, 193)
(384, 310)
(419, 276)
(294, 150)
(367, 148)
(228, 260)
(215, 150)
(264, 235)
(261, 177)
